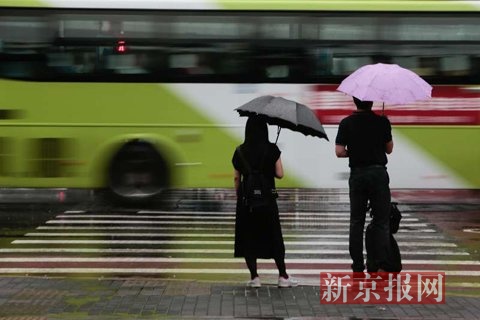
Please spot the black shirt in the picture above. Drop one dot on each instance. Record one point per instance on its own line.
(365, 135)
(254, 157)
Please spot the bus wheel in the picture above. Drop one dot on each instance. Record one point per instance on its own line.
(138, 173)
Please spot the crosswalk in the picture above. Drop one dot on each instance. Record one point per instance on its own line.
(187, 243)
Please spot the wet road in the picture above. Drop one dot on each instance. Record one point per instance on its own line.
(189, 235)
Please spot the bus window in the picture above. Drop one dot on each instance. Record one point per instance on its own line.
(456, 65)
(273, 64)
(23, 66)
(428, 66)
(62, 62)
(31, 31)
(127, 63)
(181, 63)
(410, 63)
(347, 65)
(475, 65)
(193, 64)
(277, 72)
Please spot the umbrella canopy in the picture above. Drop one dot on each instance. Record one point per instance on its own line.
(387, 83)
(285, 114)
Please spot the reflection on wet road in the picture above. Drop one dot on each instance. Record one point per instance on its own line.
(190, 235)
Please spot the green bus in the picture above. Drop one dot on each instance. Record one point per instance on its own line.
(136, 97)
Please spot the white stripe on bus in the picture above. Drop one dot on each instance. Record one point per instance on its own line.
(138, 4)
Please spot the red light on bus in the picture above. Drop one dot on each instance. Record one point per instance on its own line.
(121, 47)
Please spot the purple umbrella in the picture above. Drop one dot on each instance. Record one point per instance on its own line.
(387, 83)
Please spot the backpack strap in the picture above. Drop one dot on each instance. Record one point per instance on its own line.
(244, 160)
(246, 164)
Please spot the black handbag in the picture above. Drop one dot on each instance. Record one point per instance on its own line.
(394, 259)
(395, 217)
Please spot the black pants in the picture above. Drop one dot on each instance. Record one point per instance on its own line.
(369, 184)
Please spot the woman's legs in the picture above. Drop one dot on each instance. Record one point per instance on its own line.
(284, 281)
(252, 267)
(282, 269)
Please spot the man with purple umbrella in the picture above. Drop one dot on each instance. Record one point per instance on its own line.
(365, 138)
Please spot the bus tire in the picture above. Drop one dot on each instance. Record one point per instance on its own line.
(137, 173)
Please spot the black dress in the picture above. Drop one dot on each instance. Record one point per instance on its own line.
(258, 234)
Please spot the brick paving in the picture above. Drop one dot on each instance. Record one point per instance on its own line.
(91, 298)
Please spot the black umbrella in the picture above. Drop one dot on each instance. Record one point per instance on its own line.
(285, 114)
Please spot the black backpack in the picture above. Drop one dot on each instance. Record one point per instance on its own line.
(256, 188)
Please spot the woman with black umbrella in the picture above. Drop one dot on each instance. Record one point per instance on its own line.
(258, 232)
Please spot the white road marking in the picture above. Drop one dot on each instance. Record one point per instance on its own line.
(218, 260)
(216, 242)
(206, 250)
(195, 235)
(196, 218)
(232, 213)
(196, 271)
(216, 228)
(309, 223)
(207, 229)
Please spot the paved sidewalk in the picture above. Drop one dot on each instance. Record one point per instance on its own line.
(89, 298)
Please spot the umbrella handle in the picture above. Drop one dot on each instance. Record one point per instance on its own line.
(278, 133)
(383, 109)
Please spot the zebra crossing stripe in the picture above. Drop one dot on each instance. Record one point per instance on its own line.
(159, 217)
(184, 222)
(149, 235)
(232, 213)
(463, 284)
(292, 192)
(282, 218)
(195, 235)
(219, 260)
(196, 222)
(195, 271)
(217, 242)
(210, 251)
(205, 229)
